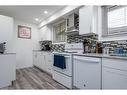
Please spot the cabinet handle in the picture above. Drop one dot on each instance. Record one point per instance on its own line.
(88, 61)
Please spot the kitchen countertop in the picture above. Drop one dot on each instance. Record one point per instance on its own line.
(100, 55)
(7, 53)
(92, 55)
(41, 51)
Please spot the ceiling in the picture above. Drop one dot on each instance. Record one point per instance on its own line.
(29, 13)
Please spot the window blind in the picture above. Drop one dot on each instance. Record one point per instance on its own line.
(117, 20)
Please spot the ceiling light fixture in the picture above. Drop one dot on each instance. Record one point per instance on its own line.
(45, 12)
(36, 19)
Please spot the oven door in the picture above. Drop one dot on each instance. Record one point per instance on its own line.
(68, 70)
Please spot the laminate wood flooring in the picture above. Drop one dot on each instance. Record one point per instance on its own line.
(33, 78)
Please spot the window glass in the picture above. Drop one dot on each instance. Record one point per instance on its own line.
(59, 32)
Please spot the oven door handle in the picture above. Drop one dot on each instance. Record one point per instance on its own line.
(66, 56)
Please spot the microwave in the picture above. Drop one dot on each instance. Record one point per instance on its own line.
(2, 47)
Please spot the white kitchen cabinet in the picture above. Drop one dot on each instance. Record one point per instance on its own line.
(7, 69)
(49, 61)
(88, 20)
(86, 72)
(34, 58)
(114, 74)
(38, 59)
(43, 60)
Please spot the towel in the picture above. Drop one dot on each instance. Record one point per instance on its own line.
(59, 61)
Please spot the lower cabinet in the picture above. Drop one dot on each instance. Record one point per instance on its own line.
(114, 74)
(7, 69)
(49, 61)
(43, 60)
(86, 72)
(114, 79)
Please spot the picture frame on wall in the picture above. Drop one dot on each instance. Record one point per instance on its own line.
(24, 32)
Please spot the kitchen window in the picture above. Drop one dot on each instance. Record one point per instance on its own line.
(114, 20)
(59, 32)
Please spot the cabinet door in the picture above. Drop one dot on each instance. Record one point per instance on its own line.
(35, 58)
(38, 60)
(49, 62)
(113, 79)
(41, 61)
(87, 73)
(5, 71)
(85, 19)
(44, 67)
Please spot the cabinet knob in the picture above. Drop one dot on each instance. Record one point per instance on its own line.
(84, 85)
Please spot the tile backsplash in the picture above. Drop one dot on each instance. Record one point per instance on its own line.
(45, 42)
(94, 38)
(80, 38)
(115, 44)
(54, 47)
(58, 47)
(70, 39)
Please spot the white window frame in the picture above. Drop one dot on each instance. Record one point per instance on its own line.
(53, 33)
(116, 31)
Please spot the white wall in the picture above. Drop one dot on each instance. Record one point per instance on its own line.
(6, 32)
(24, 47)
(45, 33)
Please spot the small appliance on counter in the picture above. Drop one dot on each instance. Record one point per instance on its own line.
(2, 47)
(45, 45)
(90, 46)
(86, 44)
(46, 48)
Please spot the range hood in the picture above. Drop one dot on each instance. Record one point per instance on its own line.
(72, 24)
(72, 32)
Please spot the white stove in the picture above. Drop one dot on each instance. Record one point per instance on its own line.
(64, 76)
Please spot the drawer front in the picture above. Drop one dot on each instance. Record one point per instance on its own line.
(115, 63)
(63, 79)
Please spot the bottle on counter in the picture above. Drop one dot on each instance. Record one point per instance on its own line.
(98, 48)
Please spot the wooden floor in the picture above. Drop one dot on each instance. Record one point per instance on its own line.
(33, 78)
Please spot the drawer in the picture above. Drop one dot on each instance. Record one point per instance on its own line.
(115, 63)
(63, 79)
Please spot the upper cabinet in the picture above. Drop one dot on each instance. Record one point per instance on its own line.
(88, 20)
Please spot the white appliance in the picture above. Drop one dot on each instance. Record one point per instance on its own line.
(64, 76)
(86, 72)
